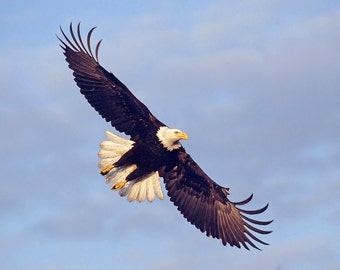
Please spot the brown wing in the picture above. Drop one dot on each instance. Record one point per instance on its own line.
(106, 94)
(205, 204)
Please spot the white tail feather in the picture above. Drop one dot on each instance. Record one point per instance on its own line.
(111, 151)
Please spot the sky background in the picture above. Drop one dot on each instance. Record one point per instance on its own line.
(255, 84)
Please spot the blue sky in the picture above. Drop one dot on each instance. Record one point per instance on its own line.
(255, 84)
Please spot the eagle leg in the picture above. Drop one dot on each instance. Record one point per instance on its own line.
(119, 185)
(106, 170)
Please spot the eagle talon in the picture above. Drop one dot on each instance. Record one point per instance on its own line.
(106, 170)
(119, 185)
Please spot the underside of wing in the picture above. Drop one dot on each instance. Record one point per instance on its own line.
(205, 204)
(106, 94)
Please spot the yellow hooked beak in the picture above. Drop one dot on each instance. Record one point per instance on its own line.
(182, 136)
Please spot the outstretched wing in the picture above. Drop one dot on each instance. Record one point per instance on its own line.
(106, 94)
(205, 204)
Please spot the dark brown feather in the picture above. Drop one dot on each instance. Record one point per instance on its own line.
(205, 204)
(106, 94)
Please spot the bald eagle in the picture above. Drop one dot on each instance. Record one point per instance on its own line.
(134, 166)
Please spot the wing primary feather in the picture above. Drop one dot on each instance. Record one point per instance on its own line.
(74, 38)
(256, 229)
(68, 40)
(255, 238)
(245, 246)
(249, 242)
(256, 221)
(89, 41)
(97, 49)
(254, 212)
(81, 40)
(244, 201)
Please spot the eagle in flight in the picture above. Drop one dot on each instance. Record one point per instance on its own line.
(134, 166)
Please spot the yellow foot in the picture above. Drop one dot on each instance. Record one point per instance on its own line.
(106, 170)
(119, 186)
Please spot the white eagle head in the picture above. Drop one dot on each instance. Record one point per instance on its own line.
(170, 137)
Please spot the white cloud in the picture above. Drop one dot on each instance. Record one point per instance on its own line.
(264, 75)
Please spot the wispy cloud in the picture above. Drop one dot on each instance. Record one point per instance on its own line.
(255, 84)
